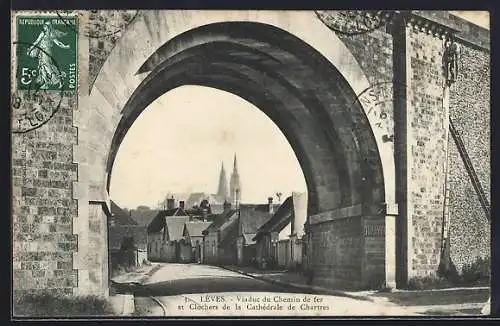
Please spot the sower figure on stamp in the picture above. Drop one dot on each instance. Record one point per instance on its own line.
(450, 61)
(47, 74)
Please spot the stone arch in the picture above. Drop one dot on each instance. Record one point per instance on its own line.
(128, 64)
(290, 65)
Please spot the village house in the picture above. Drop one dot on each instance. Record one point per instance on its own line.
(279, 241)
(214, 235)
(193, 236)
(219, 248)
(269, 234)
(165, 235)
(250, 218)
(229, 239)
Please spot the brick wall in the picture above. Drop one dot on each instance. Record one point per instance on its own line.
(43, 205)
(470, 113)
(426, 151)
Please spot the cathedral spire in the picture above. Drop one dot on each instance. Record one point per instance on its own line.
(235, 165)
(222, 189)
(235, 185)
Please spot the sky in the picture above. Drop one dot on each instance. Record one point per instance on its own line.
(179, 142)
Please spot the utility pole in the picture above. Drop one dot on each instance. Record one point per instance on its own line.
(279, 194)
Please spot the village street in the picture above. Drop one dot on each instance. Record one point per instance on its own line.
(203, 290)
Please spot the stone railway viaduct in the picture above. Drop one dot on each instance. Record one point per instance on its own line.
(367, 116)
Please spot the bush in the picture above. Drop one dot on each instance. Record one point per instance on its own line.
(428, 282)
(46, 305)
(477, 272)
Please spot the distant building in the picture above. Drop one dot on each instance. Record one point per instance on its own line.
(268, 236)
(250, 218)
(216, 201)
(279, 241)
(165, 232)
(193, 236)
(217, 250)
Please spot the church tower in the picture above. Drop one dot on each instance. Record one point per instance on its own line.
(222, 190)
(235, 185)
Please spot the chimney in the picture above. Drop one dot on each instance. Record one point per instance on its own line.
(171, 203)
(270, 204)
(227, 205)
(236, 201)
(181, 204)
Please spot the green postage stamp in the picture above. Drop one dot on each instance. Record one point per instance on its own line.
(44, 67)
(46, 53)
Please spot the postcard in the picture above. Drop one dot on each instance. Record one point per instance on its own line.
(249, 163)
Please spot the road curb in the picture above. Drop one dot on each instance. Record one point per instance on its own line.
(150, 273)
(301, 287)
(141, 279)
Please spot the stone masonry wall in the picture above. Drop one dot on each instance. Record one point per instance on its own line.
(338, 250)
(378, 69)
(105, 28)
(470, 113)
(426, 151)
(43, 206)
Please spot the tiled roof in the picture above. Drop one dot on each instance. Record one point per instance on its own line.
(217, 208)
(279, 220)
(120, 216)
(230, 234)
(195, 229)
(158, 222)
(221, 219)
(253, 216)
(175, 227)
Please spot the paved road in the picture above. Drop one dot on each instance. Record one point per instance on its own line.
(202, 290)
